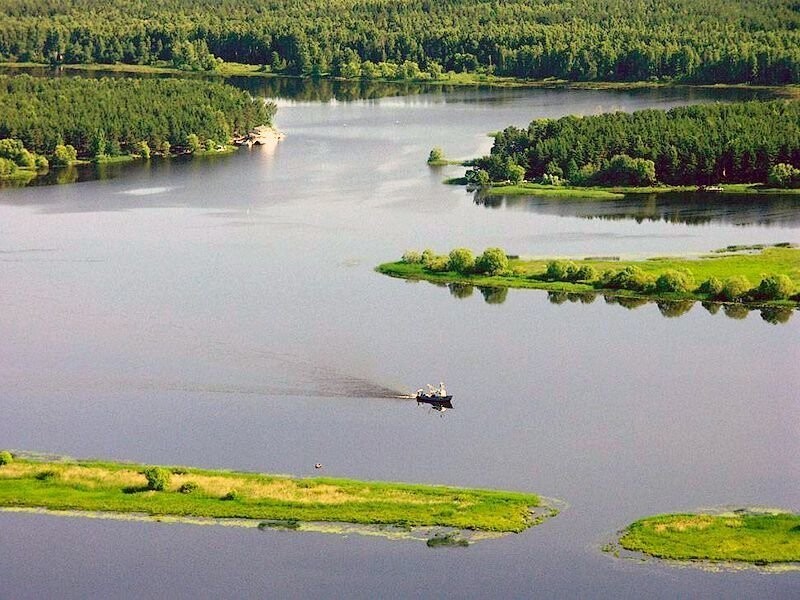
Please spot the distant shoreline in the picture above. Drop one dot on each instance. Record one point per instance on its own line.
(232, 69)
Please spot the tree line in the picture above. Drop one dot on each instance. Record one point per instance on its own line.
(745, 142)
(112, 116)
(757, 41)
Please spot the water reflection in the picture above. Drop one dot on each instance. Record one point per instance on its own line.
(776, 314)
(493, 295)
(668, 308)
(327, 90)
(688, 208)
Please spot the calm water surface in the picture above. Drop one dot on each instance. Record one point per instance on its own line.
(226, 314)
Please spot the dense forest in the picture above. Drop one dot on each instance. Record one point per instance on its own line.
(755, 41)
(745, 142)
(116, 116)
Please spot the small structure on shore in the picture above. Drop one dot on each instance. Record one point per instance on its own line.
(264, 135)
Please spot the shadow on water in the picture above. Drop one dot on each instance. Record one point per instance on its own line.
(668, 308)
(686, 208)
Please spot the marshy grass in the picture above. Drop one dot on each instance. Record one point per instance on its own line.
(121, 487)
(758, 538)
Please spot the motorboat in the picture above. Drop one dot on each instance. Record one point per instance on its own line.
(438, 398)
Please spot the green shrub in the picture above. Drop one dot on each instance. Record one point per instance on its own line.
(631, 278)
(561, 270)
(735, 287)
(232, 495)
(188, 487)
(462, 260)
(41, 163)
(143, 149)
(673, 280)
(6, 458)
(64, 155)
(48, 475)
(157, 478)
(436, 155)
(411, 257)
(492, 261)
(784, 175)
(427, 256)
(439, 264)
(7, 167)
(775, 287)
(585, 273)
(711, 286)
(164, 148)
(193, 143)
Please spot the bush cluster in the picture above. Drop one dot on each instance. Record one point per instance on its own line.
(14, 155)
(6, 458)
(561, 270)
(784, 175)
(673, 280)
(493, 261)
(157, 478)
(188, 487)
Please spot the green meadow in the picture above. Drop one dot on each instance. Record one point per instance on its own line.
(189, 492)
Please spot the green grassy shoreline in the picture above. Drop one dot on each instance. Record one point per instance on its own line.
(754, 265)
(68, 485)
(616, 193)
(760, 538)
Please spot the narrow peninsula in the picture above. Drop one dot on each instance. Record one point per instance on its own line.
(760, 538)
(69, 485)
(755, 276)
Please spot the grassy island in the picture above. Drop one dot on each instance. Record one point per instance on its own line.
(189, 492)
(745, 275)
(743, 536)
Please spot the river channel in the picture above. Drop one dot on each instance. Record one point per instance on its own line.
(225, 313)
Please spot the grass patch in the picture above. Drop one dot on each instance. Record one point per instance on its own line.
(538, 189)
(758, 538)
(123, 488)
(616, 193)
(111, 160)
(755, 265)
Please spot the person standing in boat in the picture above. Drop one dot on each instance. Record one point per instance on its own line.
(442, 391)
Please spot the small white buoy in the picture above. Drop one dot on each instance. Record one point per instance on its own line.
(318, 466)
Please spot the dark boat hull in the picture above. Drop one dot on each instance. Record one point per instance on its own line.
(434, 400)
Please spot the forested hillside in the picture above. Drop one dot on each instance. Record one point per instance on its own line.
(755, 41)
(114, 116)
(702, 144)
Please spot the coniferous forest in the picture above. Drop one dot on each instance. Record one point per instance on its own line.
(115, 116)
(741, 142)
(699, 41)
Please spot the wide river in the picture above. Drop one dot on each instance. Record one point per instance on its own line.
(225, 313)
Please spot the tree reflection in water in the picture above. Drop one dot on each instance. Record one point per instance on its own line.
(494, 295)
(461, 290)
(669, 308)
